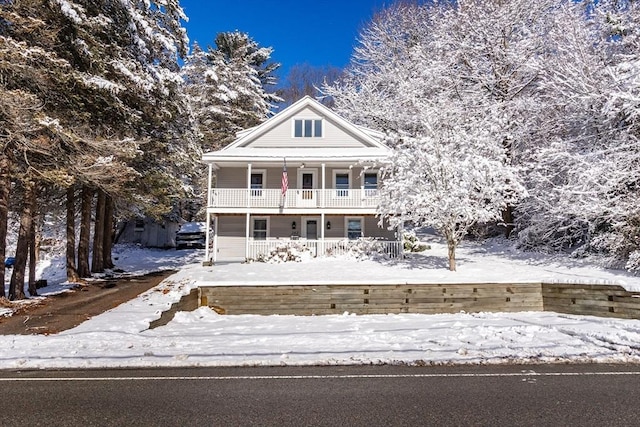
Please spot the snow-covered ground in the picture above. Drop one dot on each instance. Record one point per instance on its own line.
(120, 338)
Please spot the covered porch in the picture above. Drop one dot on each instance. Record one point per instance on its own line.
(240, 237)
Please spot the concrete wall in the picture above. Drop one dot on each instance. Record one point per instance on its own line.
(578, 299)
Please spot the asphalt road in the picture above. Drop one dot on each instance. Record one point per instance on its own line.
(535, 395)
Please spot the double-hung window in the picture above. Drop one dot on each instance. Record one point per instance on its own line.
(342, 184)
(260, 229)
(354, 228)
(307, 128)
(370, 183)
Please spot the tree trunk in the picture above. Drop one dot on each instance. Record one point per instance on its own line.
(5, 184)
(16, 286)
(33, 256)
(72, 272)
(507, 218)
(451, 246)
(108, 232)
(97, 260)
(85, 232)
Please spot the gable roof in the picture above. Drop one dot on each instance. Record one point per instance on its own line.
(370, 147)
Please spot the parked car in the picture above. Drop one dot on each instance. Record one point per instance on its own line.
(191, 235)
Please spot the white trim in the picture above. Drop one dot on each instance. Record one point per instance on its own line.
(346, 225)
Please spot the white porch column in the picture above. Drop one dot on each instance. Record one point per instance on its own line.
(247, 223)
(216, 218)
(206, 236)
(209, 186)
(248, 185)
(246, 237)
(206, 242)
(322, 205)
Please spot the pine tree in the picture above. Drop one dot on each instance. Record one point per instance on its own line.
(103, 92)
(229, 87)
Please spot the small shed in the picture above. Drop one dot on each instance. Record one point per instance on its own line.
(148, 232)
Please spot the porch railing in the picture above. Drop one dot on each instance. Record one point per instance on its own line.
(262, 249)
(295, 198)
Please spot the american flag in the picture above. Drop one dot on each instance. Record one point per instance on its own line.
(285, 179)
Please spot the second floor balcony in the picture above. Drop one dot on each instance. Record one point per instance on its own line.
(243, 198)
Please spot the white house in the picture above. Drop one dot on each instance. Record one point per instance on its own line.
(305, 176)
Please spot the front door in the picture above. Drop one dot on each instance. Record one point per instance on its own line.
(312, 229)
(307, 185)
(307, 188)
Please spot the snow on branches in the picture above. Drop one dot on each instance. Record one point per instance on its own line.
(555, 83)
(449, 178)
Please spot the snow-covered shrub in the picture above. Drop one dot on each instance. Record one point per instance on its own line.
(362, 248)
(618, 243)
(633, 264)
(553, 236)
(291, 252)
(411, 243)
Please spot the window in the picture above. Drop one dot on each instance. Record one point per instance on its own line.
(307, 128)
(341, 180)
(257, 183)
(354, 228)
(370, 180)
(370, 183)
(260, 229)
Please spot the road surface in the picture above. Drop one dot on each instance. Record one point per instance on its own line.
(534, 395)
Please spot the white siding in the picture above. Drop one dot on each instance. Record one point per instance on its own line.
(282, 135)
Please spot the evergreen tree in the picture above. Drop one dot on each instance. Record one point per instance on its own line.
(229, 87)
(104, 107)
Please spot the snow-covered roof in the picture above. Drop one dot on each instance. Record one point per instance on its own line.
(273, 140)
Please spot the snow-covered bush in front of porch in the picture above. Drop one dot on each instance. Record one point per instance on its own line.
(363, 248)
(290, 252)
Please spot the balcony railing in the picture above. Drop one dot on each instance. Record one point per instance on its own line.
(262, 249)
(295, 198)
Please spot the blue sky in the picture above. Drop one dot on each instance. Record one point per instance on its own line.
(322, 32)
